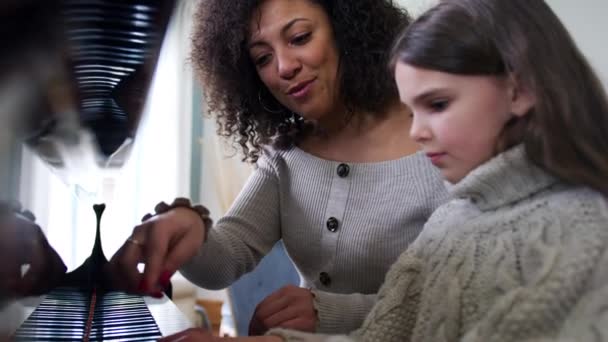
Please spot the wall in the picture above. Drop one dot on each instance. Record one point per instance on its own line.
(584, 19)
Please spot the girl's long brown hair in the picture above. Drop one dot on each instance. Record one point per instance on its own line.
(566, 133)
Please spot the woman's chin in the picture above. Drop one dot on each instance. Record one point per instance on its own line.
(315, 114)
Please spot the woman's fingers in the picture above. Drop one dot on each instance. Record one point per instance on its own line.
(289, 304)
(176, 237)
(156, 248)
(163, 243)
(123, 266)
(300, 324)
(270, 306)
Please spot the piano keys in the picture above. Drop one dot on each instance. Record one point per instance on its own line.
(86, 308)
(62, 315)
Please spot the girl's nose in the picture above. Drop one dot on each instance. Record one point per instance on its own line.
(419, 131)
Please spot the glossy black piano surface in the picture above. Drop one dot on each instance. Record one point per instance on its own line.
(106, 54)
(84, 68)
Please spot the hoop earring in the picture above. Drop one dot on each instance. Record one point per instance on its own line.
(273, 111)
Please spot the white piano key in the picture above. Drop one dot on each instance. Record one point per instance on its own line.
(168, 317)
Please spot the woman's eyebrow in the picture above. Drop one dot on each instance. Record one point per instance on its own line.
(283, 30)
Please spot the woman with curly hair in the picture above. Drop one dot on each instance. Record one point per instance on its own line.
(303, 87)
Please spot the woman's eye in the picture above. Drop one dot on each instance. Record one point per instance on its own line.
(262, 60)
(438, 105)
(301, 39)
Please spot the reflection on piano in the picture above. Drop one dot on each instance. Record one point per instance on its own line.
(121, 317)
(84, 308)
(64, 316)
(77, 73)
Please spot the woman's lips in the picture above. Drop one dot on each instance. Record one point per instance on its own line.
(302, 90)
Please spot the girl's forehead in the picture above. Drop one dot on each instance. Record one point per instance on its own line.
(415, 83)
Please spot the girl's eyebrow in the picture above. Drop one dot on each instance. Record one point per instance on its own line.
(428, 93)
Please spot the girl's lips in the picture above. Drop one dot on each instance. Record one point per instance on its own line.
(435, 157)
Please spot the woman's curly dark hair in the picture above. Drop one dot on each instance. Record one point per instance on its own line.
(246, 111)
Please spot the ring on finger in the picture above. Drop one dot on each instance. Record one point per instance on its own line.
(135, 242)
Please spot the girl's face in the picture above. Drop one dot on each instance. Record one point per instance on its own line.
(458, 119)
(291, 43)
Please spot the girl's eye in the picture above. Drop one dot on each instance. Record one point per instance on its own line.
(438, 105)
(301, 39)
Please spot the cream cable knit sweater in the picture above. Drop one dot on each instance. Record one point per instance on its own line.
(515, 255)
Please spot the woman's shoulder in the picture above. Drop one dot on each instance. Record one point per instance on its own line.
(285, 157)
(269, 159)
(291, 161)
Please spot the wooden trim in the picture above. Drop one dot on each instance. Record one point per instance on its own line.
(213, 308)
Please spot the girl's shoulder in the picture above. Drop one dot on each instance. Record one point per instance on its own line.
(566, 216)
(575, 203)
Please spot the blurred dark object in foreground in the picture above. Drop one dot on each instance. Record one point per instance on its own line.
(74, 78)
(29, 265)
(74, 74)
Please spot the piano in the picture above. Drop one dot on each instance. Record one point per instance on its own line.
(85, 308)
(62, 315)
(74, 76)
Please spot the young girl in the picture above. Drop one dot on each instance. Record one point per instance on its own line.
(507, 108)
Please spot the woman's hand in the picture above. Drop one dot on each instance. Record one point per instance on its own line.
(201, 335)
(22, 242)
(163, 243)
(290, 307)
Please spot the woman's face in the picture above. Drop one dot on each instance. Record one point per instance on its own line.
(292, 45)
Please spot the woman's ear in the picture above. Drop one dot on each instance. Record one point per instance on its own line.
(521, 97)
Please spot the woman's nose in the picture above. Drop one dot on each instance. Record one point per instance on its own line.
(288, 65)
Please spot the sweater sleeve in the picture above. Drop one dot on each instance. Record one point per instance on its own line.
(586, 320)
(243, 236)
(563, 295)
(589, 319)
(341, 312)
